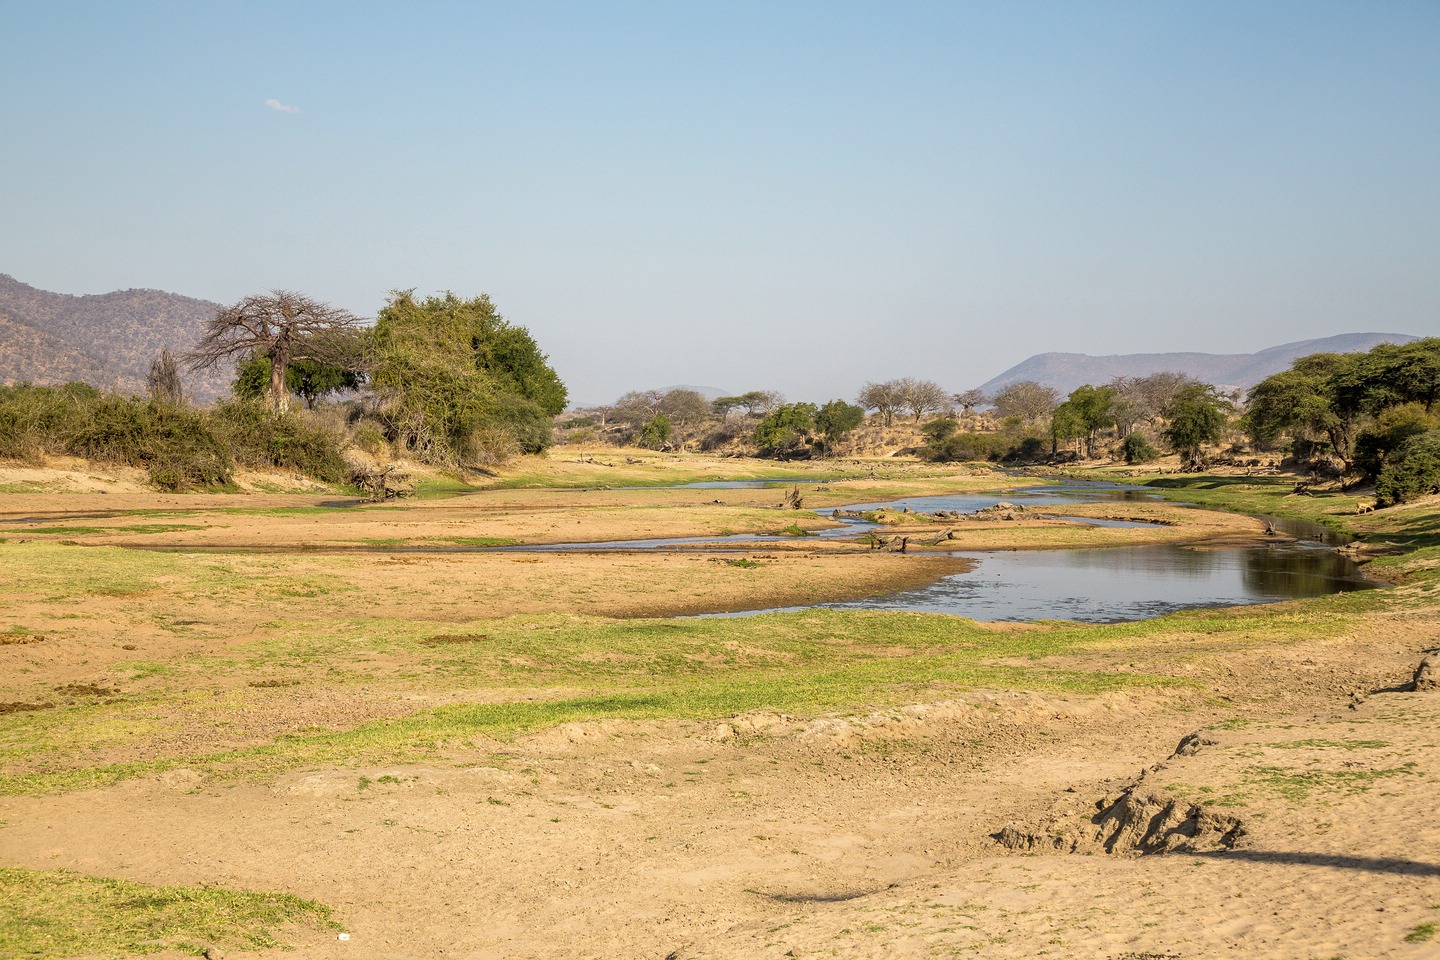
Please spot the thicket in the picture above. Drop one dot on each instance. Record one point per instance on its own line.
(179, 447)
(1412, 471)
(458, 385)
(946, 443)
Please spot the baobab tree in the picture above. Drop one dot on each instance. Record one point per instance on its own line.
(282, 326)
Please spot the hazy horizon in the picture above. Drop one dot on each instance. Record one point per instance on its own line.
(798, 197)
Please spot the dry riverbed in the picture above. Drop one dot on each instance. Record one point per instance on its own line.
(515, 755)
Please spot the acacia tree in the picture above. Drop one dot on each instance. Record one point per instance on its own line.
(884, 398)
(1086, 412)
(970, 399)
(922, 396)
(1316, 398)
(283, 326)
(1026, 399)
(1196, 417)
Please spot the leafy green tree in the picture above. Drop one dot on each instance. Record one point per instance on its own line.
(308, 379)
(456, 378)
(1065, 425)
(786, 427)
(1318, 398)
(655, 433)
(1196, 417)
(836, 419)
(1086, 412)
(1413, 472)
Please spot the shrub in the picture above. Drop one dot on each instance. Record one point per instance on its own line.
(1411, 472)
(1388, 433)
(176, 446)
(490, 445)
(260, 437)
(34, 421)
(655, 433)
(1138, 450)
(959, 447)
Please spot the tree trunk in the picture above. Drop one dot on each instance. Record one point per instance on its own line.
(279, 396)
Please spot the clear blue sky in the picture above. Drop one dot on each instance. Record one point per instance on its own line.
(770, 195)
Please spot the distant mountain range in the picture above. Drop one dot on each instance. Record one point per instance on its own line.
(107, 340)
(1066, 371)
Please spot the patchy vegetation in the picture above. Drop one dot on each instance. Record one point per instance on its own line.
(52, 914)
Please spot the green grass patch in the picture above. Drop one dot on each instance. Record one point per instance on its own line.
(1424, 933)
(1330, 745)
(481, 541)
(1299, 785)
(794, 530)
(48, 914)
(92, 531)
(436, 487)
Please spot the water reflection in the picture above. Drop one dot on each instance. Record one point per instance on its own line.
(1124, 583)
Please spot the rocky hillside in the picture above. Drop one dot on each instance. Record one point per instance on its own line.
(1066, 371)
(108, 339)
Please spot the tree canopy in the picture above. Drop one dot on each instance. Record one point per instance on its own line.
(884, 398)
(1340, 400)
(282, 326)
(459, 383)
(1027, 400)
(1084, 414)
(1196, 417)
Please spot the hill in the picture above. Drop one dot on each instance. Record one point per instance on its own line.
(107, 340)
(1066, 371)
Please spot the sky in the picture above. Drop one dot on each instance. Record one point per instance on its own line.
(774, 195)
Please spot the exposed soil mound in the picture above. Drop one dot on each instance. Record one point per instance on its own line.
(1142, 821)
(20, 707)
(1427, 674)
(1134, 820)
(1191, 744)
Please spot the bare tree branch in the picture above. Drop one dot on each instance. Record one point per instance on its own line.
(282, 326)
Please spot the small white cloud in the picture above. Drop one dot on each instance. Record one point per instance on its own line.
(279, 107)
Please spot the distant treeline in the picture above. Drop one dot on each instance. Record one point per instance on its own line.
(1365, 417)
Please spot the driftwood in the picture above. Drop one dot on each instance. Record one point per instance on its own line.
(793, 500)
(386, 483)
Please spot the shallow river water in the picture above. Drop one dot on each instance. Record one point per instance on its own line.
(1100, 585)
